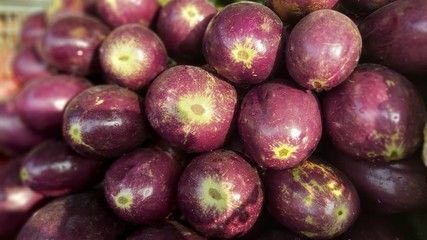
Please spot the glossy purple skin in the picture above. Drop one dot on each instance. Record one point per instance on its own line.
(166, 231)
(394, 36)
(53, 169)
(191, 108)
(104, 121)
(78, 216)
(323, 49)
(17, 201)
(116, 13)
(371, 226)
(16, 138)
(280, 124)
(389, 188)
(32, 29)
(140, 187)
(291, 11)
(132, 56)
(382, 110)
(364, 7)
(71, 44)
(312, 199)
(243, 42)
(220, 194)
(28, 66)
(41, 102)
(181, 32)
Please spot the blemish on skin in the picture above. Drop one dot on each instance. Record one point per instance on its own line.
(284, 151)
(78, 32)
(244, 52)
(214, 196)
(124, 199)
(23, 174)
(318, 84)
(75, 133)
(191, 14)
(309, 219)
(390, 83)
(265, 26)
(99, 101)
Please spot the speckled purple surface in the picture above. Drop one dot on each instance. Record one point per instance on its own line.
(280, 124)
(323, 49)
(313, 199)
(249, 26)
(149, 177)
(168, 108)
(236, 202)
(376, 114)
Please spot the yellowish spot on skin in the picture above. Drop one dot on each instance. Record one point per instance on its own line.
(308, 200)
(309, 219)
(191, 14)
(124, 199)
(99, 101)
(244, 52)
(214, 195)
(265, 26)
(371, 154)
(124, 59)
(195, 108)
(393, 150)
(308, 234)
(284, 151)
(390, 83)
(23, 174)
(75, 134)
(78, 32)
(318, 84)
(163, 2)
(112, 4)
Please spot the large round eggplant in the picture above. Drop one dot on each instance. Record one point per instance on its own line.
(140, 187)
(181, 25)
(132, 56)
(280, 124)
(388, 188)
(71, 44)
(395, 36)
(313, 199)
(41, 102)
(191, 108)
(376, 114)
(16, 137)
(53, 169)
(79, 216)
(104, 121)
(17, 201)
(220, 194)
(323, 49)
(243, 42)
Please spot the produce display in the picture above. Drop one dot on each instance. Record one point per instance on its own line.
(216, 119)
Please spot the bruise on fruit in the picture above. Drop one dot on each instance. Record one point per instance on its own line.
(124, 199)
(214, 195)
(284, 151)
(126, 60)
(191, 14)
(76, 135)
(244, 52)
(23, 174)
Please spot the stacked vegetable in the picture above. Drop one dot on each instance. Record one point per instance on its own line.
(187, 119)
